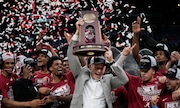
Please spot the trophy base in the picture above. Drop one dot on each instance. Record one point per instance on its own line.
(89, 49)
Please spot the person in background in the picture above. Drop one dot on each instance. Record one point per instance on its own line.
(23, 88)
(67, 70)
(60, 89)
(43, 76)
(162, 56)
(66, 65)
(7, 78)
(141, 89)
(161, 51)
(165, 100)
(174, 60)
(18, 64)
(120, 97)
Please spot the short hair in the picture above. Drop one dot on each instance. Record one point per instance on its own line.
(51, 60)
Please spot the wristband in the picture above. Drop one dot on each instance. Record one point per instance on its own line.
(110, 63)
(154, 106)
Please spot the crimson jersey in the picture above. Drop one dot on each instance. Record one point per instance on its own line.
(38, 77)
(159, 73)
(6, 86)
(139, 92)
(166, 101)
(63, 88)
(119, 96)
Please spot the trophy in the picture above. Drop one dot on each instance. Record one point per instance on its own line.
(90, 39)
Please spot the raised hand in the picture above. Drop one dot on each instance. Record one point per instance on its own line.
(126, 51)
(47, 46)
(175, 56)
(136, 26)
(108, 54)
(27, 71)
(68, 37)
(79, 23)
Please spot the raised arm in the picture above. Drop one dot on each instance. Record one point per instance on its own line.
(136, 29)
(73, 60)
(126, 51)
(117, 66)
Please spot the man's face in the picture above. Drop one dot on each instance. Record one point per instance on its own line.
(160, 56)
(8, 66)
(172, 83)
(66, 66)
(147, 75)
(97, 70)
(57, 68)
(42, 60)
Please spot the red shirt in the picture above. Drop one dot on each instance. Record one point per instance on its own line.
(6, 86)
(63, 88)
(139, 92)
(120, 96)
(166, 101)
(159, 73)
(38, 77)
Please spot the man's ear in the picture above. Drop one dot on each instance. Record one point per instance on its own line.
(178, 81)
(50, 69)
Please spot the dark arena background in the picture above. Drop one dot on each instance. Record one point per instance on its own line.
(22, 20)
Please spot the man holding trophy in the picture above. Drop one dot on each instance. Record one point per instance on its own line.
(93, 87)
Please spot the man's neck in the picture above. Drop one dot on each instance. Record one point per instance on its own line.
(44, 70)
(56, 79)
(162, 65)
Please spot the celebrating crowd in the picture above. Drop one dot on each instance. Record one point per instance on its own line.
(131, 78)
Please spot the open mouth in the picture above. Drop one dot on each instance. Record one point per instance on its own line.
(9, 70)
(39, 62)
(98, 75)
(60, 70)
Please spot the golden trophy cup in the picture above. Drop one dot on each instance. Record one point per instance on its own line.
(90, 39)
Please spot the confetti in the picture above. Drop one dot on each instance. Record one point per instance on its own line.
(22, 21)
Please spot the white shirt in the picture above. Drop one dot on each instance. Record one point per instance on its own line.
(93, 96)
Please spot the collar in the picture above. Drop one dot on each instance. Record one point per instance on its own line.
(94, 79)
